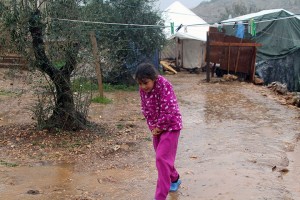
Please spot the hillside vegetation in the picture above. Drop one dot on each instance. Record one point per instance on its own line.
(217, 10)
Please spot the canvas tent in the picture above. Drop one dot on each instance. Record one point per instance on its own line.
(278, 31)
(189, 41)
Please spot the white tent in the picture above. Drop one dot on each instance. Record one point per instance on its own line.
(190, 47)
(193, 26)
(257, 14)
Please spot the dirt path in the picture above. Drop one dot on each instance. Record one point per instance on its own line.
(235, 134)
(238, 142)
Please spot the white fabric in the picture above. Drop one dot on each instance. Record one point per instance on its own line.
(193, 54)
(193, 27)
(257, 14)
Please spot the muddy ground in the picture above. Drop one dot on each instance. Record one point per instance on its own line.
(239, 142)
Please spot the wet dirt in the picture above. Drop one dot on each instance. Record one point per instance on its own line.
(239, 142)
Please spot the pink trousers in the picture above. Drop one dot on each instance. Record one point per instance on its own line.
(165, 146)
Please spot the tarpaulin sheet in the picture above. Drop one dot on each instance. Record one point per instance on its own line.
(278, 31)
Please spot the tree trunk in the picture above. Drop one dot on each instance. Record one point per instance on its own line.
(64, 114)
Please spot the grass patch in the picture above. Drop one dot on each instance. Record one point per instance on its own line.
(86, 85)
(63, 144)
(110, 88)
(83, 85)
(7, 164)
(34, 143)
(76, 144)
(59, 64)
(69, 144)
(120, 126)
(6, 93)
(102, 100)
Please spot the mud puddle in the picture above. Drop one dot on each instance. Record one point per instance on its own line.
(62, 182)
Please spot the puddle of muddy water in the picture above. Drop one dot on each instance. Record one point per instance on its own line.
(61, 182)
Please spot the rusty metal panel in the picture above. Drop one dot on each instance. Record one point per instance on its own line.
(237, 59)
(232, 59)
(215, 51)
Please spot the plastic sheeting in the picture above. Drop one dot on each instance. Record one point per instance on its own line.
(284, 70)
(278, 31)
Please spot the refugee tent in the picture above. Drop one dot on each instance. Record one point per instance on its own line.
(278, 30)
(188, 41)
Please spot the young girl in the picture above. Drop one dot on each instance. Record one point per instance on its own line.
(160, 108)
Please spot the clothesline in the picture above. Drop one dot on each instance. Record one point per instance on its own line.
(142, 26)
(160, 26)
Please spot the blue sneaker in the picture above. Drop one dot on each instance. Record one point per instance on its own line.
(174, 186)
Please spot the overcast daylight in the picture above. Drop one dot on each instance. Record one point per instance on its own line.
(163, 4)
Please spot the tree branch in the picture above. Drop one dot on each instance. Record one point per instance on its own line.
(71, 61)
(36, 30)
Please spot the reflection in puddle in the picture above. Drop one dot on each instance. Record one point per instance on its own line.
(27, 181)
(62, 182)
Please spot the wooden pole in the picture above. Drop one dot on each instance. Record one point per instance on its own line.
(238, 58)
(176, 52)
(228, 63)
(97, 62)
(207, 58)
(253, 67)
(182, 43)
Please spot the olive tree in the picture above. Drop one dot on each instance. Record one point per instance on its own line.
(125, 44)
(57, 31)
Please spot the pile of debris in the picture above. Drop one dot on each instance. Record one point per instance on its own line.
(258, 81)
(230, 77)
(291, 98)
(278, 88)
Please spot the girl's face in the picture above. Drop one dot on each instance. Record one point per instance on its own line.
(146, 84)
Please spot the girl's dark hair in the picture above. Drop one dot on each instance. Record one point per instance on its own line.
(146, 71)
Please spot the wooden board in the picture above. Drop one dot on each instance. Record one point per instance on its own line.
(168, 67)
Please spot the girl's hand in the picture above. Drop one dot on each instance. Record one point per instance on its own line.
(156, 131)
